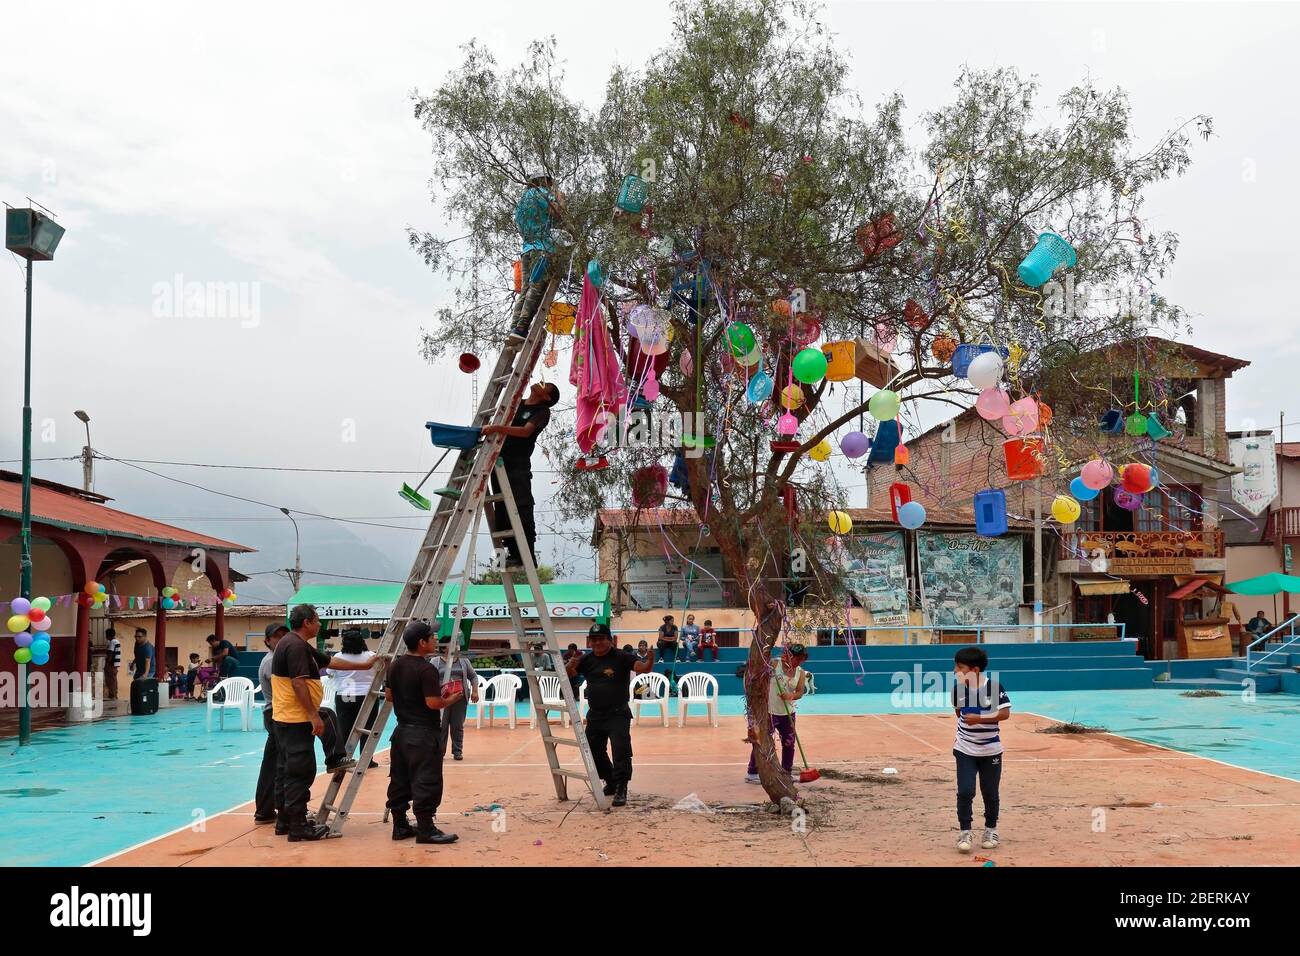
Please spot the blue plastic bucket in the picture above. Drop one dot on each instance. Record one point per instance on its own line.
(966, 353)
(632, 195)
(452, 436)
(991, 512)
(1050, 251)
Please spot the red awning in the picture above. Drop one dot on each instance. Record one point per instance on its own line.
(1188, 589)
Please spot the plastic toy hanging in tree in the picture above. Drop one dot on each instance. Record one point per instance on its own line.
(759, 388)
(1097, 474)
(993, 404)
(877, 236)
(741, 338)
(1082, 492)
(839, 522)
(985, 370)
(1050, 252)
(28, 622)
(915, 316)
(911, 515)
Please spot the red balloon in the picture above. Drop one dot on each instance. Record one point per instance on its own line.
(35, 614)
(85, 600)
(1137, 478)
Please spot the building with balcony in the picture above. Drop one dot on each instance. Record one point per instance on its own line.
(1269, 541)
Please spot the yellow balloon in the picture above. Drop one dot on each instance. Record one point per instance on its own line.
(792, 396)
(840, 522)
(18, 623)
(821, 451)
(1066, 510)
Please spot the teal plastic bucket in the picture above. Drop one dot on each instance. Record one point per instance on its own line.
(632, 195)
(595, 273)
(1050, 252)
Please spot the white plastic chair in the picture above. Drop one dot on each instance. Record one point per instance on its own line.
(697, 688)
(583, 706)
(256, 702)
(481, 683)
(500, 692)
(659, 683)
(552, 699)
(235, 693)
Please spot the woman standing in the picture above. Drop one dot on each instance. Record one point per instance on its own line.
(351, 687)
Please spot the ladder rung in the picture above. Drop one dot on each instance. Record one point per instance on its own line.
(562, 772)
(567, 741)
(503, 535)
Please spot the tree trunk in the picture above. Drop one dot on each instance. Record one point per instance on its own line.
(768, 609)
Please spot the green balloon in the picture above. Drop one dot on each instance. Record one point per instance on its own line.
(810, 366)
(741, 337)
(884, 405)
(42, 602)
(22, 656)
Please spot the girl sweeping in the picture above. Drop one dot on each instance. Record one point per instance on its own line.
(783, 693)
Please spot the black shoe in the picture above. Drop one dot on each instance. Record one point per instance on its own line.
(281, 827)
(457, 756)
(610, 789)
(374, 765)
(620, 798)
(260, 820)
(519, 332)
(402, 829)
(312, 833)
(343, 766)
(434, 835)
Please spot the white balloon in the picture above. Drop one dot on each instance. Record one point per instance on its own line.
(42, 625)
(985, 370)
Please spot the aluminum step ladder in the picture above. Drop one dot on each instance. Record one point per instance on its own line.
(454, 520)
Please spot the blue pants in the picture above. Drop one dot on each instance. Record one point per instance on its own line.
(988, 770)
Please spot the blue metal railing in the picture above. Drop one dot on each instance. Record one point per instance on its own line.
(979, 630)
(1291, 639)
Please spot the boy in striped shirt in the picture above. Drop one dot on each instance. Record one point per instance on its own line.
(980, 705)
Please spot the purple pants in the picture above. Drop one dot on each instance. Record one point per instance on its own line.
(784, 726)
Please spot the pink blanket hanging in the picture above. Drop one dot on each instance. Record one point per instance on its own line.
(595, 371)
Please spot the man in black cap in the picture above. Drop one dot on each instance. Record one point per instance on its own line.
(415, 765)
(609, 720)
(517, 455)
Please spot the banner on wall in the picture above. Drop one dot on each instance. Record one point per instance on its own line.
(969, 580)
(658, 582)
(1255, 486)
(875, 571)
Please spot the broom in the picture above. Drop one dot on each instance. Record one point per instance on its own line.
(413, 494)
(808, 774)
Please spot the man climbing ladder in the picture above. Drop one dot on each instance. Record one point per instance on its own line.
(516, 454)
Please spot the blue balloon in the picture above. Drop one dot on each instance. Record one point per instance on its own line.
(912, 515)
(759, 388)
(40, 658)
(1081, 491)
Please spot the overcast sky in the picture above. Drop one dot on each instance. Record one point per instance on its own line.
(273, 146)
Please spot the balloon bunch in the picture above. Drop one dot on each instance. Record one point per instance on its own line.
(93, 594)
(28, 623)
(228, 598)
(169, 601)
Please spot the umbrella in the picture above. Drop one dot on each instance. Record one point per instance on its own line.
(1274, 583)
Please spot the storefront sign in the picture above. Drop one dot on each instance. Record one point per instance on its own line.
(969, 580)
(354, 612)
(1151, 566)
(481, 612)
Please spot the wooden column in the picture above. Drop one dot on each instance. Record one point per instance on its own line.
(160, 640)
(82, 655)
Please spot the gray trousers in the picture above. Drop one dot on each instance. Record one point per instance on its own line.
(453, 724)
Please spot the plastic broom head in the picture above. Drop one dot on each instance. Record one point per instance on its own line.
(415, 498)
(808, 775)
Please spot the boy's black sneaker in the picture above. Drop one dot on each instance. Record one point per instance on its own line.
(620, 797)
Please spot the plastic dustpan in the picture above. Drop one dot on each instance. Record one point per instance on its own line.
(447, 492)
(415, 498)
(453, 436)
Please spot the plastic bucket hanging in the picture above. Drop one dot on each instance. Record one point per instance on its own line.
(561, 318)
(991, 512)
(966, 353)
(1156, 428)
(452, 436)
(1112, 422)
(899, 495)
(839, 360)
(1024, 458)
(1050, 252)
(649, 486)
(632, 195)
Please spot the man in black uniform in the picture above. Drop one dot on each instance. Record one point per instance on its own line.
(415, 765)
(516, 454)
(609, 720)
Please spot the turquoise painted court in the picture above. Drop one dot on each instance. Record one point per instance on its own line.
(84, 792)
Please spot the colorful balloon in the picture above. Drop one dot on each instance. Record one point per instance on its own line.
(43, 624)
(740, 337)
(22, 656)
(1021, 418)
(19, 606)
(1097, 474)
(884, 405)
(1136, 478)
(91, 587)
(35, 615)
(18, 623)
(1082, 492)
(840, 522)
(168, 604)
(40, 645)
(810, 366)
(24, 639)
(1065, 509)
(855, 445)
(791, 396)
(39, 659)
(821, 451)
(911, 515)
(41, 602)
(1127, 500)
(985, 370)
(992, 404)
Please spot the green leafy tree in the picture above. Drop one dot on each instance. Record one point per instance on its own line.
(763, 169)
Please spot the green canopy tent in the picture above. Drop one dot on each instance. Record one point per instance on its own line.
(1267, 584)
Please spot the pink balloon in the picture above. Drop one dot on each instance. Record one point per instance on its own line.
(1096, 474)
(651, 387)
(1022, 418)
(787, 424)
(992, 404)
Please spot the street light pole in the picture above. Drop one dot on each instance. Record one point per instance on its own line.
(87, 454)
(295, 575)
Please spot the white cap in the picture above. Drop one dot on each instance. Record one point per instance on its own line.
(535, 174)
